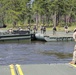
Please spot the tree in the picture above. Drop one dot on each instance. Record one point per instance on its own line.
(13, 10)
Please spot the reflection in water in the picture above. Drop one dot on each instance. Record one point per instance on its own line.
(59, 55)
(36, 52)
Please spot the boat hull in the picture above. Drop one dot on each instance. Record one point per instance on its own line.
(15, 37)
(42, 37)
(39, 36)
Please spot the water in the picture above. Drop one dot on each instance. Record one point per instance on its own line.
(36, 52)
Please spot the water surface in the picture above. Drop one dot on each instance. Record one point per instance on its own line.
(36, 52)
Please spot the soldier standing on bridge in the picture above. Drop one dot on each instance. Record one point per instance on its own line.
(66, 29)
(74, 53)
(74, 34)
(54, 30)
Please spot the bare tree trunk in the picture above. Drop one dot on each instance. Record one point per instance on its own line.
(58, 18)
(37, 19)
(42, 19)
(54, 19)
(67, 19)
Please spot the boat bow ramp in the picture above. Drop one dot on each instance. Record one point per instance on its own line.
(38, 69)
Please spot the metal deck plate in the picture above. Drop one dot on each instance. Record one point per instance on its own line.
(5, 70)
(48, 69)
(38, 69)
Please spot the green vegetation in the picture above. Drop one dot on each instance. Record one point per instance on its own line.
(15, 13)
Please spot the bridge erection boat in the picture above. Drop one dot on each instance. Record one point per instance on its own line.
(43, 37)
(15, 36)
(40, 37)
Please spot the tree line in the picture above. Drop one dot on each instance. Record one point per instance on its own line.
(38, 12)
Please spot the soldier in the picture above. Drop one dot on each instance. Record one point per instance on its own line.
(41, 28)
(74, 53)
(74, 56)
(74, 34)
(44, 29)
(54, 30)
(66, 29)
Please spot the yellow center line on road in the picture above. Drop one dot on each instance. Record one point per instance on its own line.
(72, 65)
(12, 69)
(19, 69)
